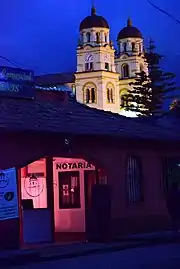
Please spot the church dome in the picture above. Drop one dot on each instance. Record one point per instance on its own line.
(129, 31)
(94, 21)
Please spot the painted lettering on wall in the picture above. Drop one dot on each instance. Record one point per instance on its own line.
(79, 165)
(16, 83)
(16, 74)
(5, 86)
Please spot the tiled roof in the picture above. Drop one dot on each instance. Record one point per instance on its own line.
(47, 113)
(169, 121)
(54, 79)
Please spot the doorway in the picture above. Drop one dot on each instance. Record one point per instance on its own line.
(36, 226)
(97, 205)
(69, 198)
(90, 179)
(171, 172)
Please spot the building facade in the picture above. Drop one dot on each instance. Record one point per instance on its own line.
(80, 171)
(104, 71)
(103, 74)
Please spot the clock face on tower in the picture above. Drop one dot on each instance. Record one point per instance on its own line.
(89, 58)
(106, 58)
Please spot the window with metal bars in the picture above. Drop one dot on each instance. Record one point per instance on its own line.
(170, 172)
(134, 179)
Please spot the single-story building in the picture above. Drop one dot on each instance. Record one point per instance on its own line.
(80, 171)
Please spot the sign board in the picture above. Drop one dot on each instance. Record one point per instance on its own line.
(15, 82)
(8, 194)
(74, 166)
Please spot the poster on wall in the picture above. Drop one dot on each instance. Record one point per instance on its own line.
(34, 188)
(8, 194)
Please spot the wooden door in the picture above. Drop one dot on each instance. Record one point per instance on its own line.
(90, 179)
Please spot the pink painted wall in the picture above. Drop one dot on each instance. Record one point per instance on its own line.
(69, 220)
(114, 161)
(66, 220)
(34, 189)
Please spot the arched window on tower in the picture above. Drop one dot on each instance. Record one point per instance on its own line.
(123, 99)
(110, 95)
(87, 97)
(105, 38)
(124, 46)
(89, 66)
(93, 95)
(141, 67)
(107, 66)
(125, 70)
(133, 46)
(97, 37)
(90, 94)
(140, 48)
(88, 36)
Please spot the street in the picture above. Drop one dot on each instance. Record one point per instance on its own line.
(157, 257)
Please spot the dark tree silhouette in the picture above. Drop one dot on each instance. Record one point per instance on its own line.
(149, 91)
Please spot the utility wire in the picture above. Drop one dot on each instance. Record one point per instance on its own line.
(15, 64)
(9, 61)
(164, 11)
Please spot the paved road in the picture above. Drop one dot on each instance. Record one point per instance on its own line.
(159, 257)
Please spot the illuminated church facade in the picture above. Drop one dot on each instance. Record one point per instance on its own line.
(103, 74)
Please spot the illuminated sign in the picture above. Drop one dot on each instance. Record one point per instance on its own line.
(71, 166)
(15, 82)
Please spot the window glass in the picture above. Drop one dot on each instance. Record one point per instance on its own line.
(93, 95)
(88, 35)
(107, 66)
(125, 71)
(69, 190)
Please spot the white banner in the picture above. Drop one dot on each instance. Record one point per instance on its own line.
(8, 194)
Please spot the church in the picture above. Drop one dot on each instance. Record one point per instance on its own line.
(103, 73)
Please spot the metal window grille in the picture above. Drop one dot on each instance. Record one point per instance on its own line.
(134, 180)
(170, 172)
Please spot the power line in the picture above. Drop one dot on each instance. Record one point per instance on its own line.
(15, 64)
(164, 12)
(9, 61)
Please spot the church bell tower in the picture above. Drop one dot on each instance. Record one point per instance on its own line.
(96, 77)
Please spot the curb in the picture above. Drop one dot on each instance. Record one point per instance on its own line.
(36, 257)
(19, 259)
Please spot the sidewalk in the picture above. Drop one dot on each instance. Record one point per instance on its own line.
(71, 250)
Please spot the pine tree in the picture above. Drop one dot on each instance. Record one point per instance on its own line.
(149, 91)
(175, 107)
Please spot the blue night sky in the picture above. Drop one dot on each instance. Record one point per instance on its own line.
(42, 34)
